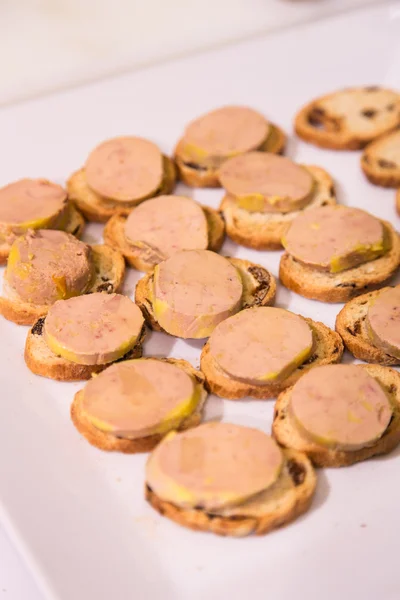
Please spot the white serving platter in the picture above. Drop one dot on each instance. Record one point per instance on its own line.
(77, 514)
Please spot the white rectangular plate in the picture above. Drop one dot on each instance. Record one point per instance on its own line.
(78, 514)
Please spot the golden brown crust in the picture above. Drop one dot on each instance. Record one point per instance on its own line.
(142, 299)
(110, 443)
(259, 289)
(75, 226)
(208, 177)
(380, 160)
(265, 231)
(294, 501)
(398, 201)
(319, 123)
(109, 276)
(276, 141)
(109, 269)
(340, 287)
(98, 209)
(114, 236)
(21, 313)
(328, 349)
(76, 223)
(42, 361)
(351, 326)
(216, 228)
(287, 434)
(4, 252)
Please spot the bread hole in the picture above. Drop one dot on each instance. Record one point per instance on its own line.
(263, 279)
(386, 164)
(310, 360)
(194, 166)
(105, 287)
(296, 471)
(37, 329)
(345, 285)
(332, 191)
(325, 203)
(392, 389)
(209, 515)
(365, 159)
(369, 113)
(316, 116)
(371, 88)
(75, 231)
(317, 111)
(356, 329)
(161, 509)
(236, 222)
(198, 378)
(276, 415)
(390, 107)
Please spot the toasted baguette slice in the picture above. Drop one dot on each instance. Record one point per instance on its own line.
(331, 121)
(340, 287)
(352, 327)
(288, 434)
(75, 225)
(111, 443)
(264, 231)
(328, 349)
(41, 360)
(99, 209)
(287, 499)
(114, 235)
(108, 277)
(381, 160)
(259, 289)
(198, 176)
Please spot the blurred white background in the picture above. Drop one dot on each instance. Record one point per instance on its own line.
(47, 44)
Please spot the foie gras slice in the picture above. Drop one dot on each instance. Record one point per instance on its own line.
(261, 345)
(213, 466)
(335, 238)
(167, 224)
(31, 204)
(194, 290)
(137, 398)
(383, 321)
(222, 133)
(125, 169)
(94, 329)
(340, 406)
(48, 265)
(264, 182)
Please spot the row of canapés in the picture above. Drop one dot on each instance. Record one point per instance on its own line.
(333, 253)
(233, 147)
(220, 477)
